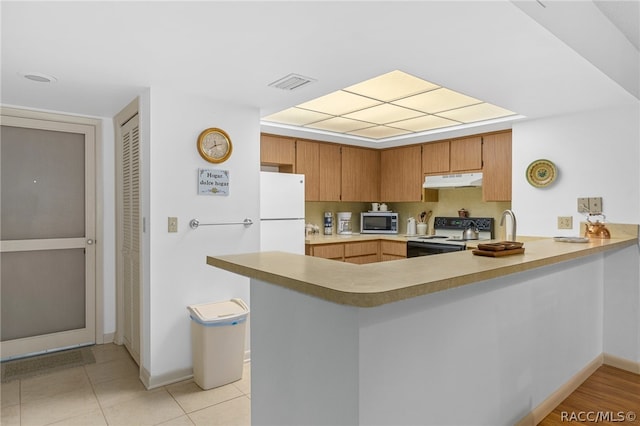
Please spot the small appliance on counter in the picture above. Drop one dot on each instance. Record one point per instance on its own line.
(378, 223)
(344, 223)
(411, 226)
(449, 233)
(328, 223)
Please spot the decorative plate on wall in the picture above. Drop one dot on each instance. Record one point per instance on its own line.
(541, 173)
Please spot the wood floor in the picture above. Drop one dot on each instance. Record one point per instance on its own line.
(610, 396)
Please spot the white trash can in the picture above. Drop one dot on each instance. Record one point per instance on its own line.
(218, 334)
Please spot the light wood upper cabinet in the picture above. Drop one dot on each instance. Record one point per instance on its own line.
(401, 174)
(458, 155)
(466, 155)
(360, 174)
(496, 173)
(277, 151)
(435, 157)
(320, 163)
(307, 163)
(330, 163)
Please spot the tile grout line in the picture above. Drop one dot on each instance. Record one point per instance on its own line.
(104, 416)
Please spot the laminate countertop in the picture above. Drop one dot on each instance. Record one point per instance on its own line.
(380, 283)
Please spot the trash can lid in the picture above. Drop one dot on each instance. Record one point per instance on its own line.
(219, 311)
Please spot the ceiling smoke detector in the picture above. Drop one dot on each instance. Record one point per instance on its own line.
(39, 77)
(292, 82)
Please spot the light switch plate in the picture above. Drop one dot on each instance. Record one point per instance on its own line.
(173, 224)
(583, 205)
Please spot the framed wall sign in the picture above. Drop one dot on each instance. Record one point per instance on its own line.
(213, 182)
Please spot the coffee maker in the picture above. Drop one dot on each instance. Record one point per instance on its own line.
(344, 223)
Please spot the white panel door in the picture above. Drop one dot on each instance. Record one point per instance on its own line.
(47, 231)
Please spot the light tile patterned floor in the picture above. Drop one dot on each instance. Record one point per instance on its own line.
(110, 393)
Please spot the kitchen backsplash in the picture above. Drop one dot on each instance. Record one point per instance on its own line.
(450, 201)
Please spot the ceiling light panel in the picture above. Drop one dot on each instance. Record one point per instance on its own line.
(390, 105)
(475, 113)
(437, 100)
(339, 103)
(391, 86)
(296, 117)
(339, 124)
(383, 114)
(424, 123)
(379, 132)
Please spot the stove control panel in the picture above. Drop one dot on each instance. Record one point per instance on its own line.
(461, 223)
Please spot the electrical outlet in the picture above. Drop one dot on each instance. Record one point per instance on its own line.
(595, 205)
(565, 222)
(173, 224)
(583, 205)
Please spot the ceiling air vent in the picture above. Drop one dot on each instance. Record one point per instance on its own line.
(291, 82)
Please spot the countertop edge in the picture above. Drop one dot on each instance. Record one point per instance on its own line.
(256, 265)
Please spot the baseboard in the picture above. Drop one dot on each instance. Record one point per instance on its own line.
(622, 363)
(108, 338)
(164, 379)
(552, 401)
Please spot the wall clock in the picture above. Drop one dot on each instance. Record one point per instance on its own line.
(214, 145)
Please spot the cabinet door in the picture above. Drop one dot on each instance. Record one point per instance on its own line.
(330, 172)
(435, 158)
(496, 173)
(466, 154)
(393, 249)
(308, 165)
(277, 151)
(360, 174)
(401, 174)
(328, 251)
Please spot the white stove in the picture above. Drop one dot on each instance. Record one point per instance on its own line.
(447, 235)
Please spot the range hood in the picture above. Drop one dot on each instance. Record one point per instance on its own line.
(458, 180)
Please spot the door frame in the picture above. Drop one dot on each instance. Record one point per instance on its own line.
(53, 120)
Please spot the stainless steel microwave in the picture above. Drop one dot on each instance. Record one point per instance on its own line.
(378, 223)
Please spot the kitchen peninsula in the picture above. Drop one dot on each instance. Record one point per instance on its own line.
(383, 343)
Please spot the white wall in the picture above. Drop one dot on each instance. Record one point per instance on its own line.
(178, 275)
(597, 154)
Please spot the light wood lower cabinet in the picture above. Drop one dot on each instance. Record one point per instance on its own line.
(326, 251)
(360, 252)
(392, 250)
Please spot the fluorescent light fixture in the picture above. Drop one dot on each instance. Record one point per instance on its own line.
(383, 114)
(390, 105)
(475, 113)
(339, 103)
(437, 100)
(391, 86)
(340, 125)
(297, 116)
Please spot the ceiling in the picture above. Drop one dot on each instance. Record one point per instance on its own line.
(535, 58)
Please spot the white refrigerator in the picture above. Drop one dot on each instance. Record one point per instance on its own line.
(282, 212)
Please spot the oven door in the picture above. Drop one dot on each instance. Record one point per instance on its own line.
(422, 248)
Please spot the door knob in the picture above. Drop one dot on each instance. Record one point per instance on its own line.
(90, 241)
